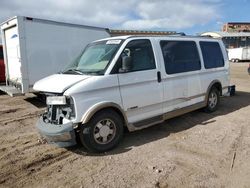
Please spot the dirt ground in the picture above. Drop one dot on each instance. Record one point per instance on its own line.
(193, 150)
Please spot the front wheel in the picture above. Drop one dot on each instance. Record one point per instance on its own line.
(213, 100)
(103, 132)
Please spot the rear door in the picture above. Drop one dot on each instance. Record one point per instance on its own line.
(13, 55)
(2, 68)
(141, 91)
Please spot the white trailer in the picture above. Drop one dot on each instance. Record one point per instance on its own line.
(239, 54)
(36, 48)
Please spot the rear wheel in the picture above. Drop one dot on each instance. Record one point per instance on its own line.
(103, 132)
(213, 100)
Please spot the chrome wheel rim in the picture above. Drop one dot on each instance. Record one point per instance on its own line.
(212, 100)
(104, 131)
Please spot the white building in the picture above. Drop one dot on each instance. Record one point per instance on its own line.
(230, 39)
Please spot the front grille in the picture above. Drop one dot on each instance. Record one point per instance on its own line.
(55, 113)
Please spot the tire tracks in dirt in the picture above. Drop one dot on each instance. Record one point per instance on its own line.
(23, 117)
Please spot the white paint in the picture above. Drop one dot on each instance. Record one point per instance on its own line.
(58, 83)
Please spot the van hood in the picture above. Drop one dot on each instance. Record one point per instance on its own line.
(58, 83)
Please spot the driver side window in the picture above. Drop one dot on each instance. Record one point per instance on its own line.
(141, 54)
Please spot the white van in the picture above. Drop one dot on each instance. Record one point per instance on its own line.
(133, 82)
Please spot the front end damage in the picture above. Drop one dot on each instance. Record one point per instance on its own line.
(56, 124)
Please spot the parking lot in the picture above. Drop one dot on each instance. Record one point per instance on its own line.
(193, 150)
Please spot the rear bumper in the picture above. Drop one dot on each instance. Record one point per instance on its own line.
(229, 91)
(60, 135)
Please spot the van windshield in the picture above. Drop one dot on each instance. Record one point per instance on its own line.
(94, 59)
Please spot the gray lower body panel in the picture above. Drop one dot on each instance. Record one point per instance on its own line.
(158, 119)
(60, 135)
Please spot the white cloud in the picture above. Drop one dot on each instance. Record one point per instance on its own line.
(129, 14)
(176, 14)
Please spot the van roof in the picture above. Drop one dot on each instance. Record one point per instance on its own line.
(158, 37)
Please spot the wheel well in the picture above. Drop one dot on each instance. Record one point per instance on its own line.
(218, 86)
(112, 109)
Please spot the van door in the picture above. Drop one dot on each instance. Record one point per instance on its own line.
(13, 55)
(181, 74)
(141, 90)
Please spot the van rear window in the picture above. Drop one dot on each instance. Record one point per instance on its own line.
(180, 56)
(212, 54)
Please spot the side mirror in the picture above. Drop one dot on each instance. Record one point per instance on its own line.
(126, 64)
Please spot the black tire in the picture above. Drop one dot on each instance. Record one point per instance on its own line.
(96, 135)
(213, 100)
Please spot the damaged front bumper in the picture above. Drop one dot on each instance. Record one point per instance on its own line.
(61, 135)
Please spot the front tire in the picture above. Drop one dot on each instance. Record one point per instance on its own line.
(213, 100)
(103, 132)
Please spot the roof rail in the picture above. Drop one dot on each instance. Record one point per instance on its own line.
(178, 34)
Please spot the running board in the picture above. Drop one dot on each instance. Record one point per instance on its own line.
(11, 90)
(161, 118)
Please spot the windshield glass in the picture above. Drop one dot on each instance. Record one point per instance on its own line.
(94, 59)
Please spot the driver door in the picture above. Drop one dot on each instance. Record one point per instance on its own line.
(141, 89)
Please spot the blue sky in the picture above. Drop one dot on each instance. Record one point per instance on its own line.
(189, 16)
(229, 11)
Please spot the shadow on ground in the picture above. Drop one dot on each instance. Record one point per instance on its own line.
(178, 124)
(37, 101)
(2, 93)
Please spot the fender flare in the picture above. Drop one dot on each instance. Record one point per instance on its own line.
(209, 88)
(99, 106)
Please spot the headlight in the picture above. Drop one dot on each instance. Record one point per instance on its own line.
(56, 100)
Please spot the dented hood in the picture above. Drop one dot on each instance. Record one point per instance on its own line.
(58, 83)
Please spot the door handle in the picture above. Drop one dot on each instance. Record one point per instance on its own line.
(159, 76)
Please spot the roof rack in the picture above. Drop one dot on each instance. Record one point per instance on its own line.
(178, 34)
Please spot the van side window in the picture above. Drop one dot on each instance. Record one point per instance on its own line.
(180, 56)
(141, 53)
(212, 54)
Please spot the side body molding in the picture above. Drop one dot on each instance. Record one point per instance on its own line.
(148, 122)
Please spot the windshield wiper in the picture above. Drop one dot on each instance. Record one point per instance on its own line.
(100, 72)
(73, 71)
